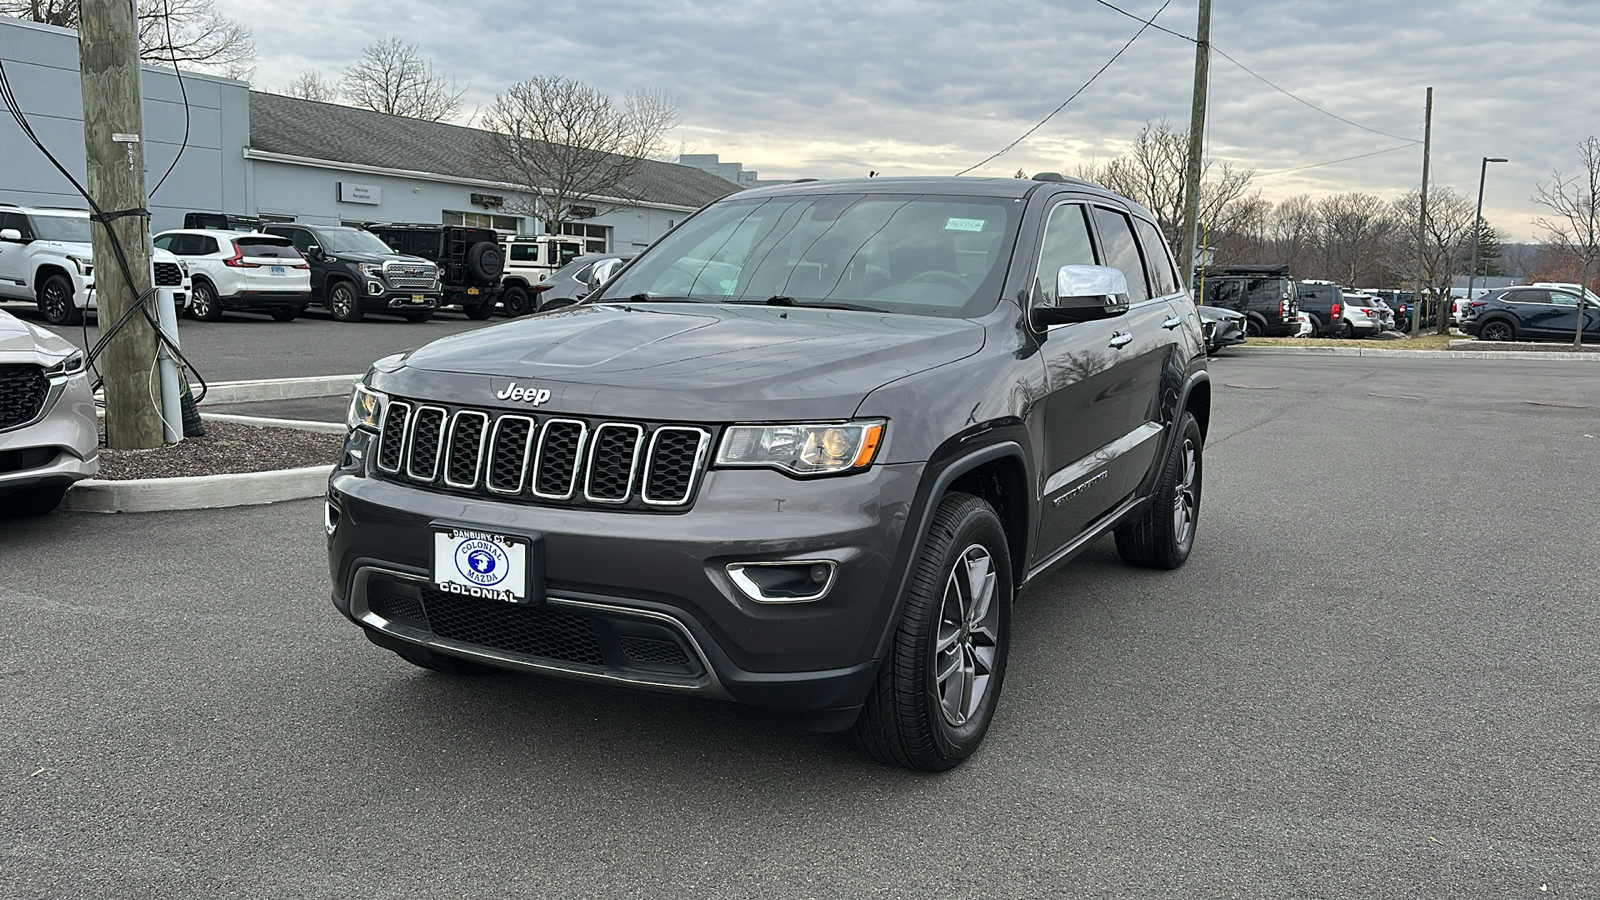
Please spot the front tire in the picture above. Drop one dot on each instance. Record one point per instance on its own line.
(343, 302)
(206, 308)
(1162, 536)
(55, 301)
(936, 691)
(35, 501)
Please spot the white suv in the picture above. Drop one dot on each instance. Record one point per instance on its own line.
(241, 270)
(46, 258)
(531, 259)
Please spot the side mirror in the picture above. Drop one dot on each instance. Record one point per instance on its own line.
(602, 272)
(314, 251)
(10, 234)
(1084, 294)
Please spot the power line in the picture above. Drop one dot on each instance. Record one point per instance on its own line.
(1308, 102)
(1150, 21)
(1405, 146)
(1025, 135)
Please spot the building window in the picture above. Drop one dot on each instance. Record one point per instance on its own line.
(596, 238)
(504, 224)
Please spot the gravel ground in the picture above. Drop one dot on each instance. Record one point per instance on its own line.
(226, 448)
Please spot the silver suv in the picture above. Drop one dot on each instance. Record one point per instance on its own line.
(49, 436)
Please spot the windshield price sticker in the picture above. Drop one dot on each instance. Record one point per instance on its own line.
(480, 564)
(963, 225)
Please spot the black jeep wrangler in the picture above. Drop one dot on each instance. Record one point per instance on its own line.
(470, 260)
(801, 454)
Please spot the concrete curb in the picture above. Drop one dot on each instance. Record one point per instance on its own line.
(1381, 352)
(296, 424)
(279, 389)
(198, 491)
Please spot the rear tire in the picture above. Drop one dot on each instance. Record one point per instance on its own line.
(343, 302)
(517, 301)
(1252, 328)
(35, 501)
(56, 301)
(936, 691)
(1497, 330)
(1162, 536)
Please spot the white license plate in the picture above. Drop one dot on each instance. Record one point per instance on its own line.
(278, 270)
(481, 564)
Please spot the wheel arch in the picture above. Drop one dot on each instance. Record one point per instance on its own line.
(45, 271)
(1196, 401)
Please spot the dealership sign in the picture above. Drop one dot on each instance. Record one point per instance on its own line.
(350, 192)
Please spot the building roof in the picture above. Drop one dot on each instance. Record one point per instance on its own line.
(345, 134)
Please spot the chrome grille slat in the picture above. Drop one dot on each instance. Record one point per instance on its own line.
(510, 445)
(670, 472)
(555, 459)
(608, 479)
(464, 456)
(392, 439)
(426, 445)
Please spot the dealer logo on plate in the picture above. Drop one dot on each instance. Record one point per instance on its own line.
(483, 563)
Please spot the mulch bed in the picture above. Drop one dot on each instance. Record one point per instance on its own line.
(227, 448)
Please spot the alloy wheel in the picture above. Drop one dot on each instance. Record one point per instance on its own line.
(1183, 502)
(968, 635)
(341, 302)
(57, 303)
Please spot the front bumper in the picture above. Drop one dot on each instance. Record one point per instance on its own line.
(648, 576)
(379, 298)
(61, 444)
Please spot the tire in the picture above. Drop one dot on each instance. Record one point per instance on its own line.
(1162, 536)
(34, 501)
(56, 303)
(913, 718)
(1316, 326)
(418, 317)
(485, 263)
(482, 310)
(344, 302)
(1343, 331)
(1252, 328)
(517, 301)
(205, 307)
(287, 313)
(1497, 330)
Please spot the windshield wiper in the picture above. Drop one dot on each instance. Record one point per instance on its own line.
(780, 300)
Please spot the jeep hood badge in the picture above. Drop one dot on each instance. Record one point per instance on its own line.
(536, 396)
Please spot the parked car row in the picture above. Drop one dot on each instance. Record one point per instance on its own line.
(47, 258)
(1276, 305)
(1543, 311)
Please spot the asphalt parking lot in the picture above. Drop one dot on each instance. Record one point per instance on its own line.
(1375, 677)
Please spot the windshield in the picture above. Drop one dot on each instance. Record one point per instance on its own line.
(926, 255)
(61, 228)
(350, 240)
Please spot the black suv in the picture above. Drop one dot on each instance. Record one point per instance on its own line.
(1323, 301)
(1265, 294)
(470, 260)
(801, 454)
(353, 273)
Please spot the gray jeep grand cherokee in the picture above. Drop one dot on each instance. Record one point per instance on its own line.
(801, 454)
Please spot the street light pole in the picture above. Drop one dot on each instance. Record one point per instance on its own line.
(1477, 222)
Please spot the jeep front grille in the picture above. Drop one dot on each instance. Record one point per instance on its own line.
(411, 276)
(22, 392)
(168, 274)
(557, 460)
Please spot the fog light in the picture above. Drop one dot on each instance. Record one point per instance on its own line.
(791, 581)
(374, 287)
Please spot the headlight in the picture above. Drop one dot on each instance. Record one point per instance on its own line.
(366, 408)
(183, 266)
(371, 270)
(804, 449)
(72, 365)
(84, 266)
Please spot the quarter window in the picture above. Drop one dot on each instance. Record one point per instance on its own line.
(1122, 252)
(1163, 276)
(1066, 243)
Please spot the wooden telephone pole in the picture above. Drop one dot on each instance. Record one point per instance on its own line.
(1197, 131)
(108, 59)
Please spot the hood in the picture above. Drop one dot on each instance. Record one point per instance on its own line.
(686, 362)
(21, 342)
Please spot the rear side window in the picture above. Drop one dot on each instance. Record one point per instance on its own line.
(1527, 297)
(1163, 276)
(1122, 252)
(524, 253)
(1222, 292)
(265, 246)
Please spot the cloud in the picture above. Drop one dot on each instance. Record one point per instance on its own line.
(832, 88)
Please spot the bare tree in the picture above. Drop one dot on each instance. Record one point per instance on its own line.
(1574, 229)
(560, 142)
(190, 32)
(1354, 230)
(310, 85)
(392, 78)
(1152, 174)
(1293, 230)
(1446, 244)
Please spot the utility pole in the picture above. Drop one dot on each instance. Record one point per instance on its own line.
(1197, 131)
(1418, 302)
(108, 59)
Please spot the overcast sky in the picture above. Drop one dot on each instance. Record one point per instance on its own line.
(834, 88)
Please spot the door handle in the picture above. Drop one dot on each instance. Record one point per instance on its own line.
(1172, 322)
(1121, 340)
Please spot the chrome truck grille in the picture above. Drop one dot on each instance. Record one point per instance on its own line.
(555, 460)
(411, 276)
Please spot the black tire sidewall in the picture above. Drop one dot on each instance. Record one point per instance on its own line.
(354, 314)
(213, 308)
(516, 301)
(1171, 478)
(66, 317)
